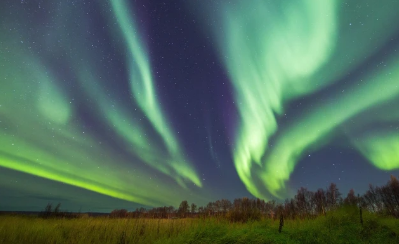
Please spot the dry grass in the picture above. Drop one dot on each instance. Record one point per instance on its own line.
(342, 226)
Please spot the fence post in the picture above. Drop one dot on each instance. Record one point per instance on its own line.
(281, 223)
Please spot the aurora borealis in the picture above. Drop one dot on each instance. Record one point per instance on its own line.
(119, 103)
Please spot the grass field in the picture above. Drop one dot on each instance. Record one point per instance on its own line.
(341, 226)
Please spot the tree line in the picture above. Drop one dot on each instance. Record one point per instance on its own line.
(55, 212)
(305, 204)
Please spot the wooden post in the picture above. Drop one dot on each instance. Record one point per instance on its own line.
(281, 223)
(360, 209)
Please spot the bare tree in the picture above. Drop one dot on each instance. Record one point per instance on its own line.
(351, 198)
(320, 200)
(183, 209)
(303, 200)
(57, 208)
(372, 200)
(118, 213)
(193, 208)
(226, 205)
(333, 196)
(389, 196)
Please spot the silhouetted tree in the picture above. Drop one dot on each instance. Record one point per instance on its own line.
(290, 209)
(389, 196)
(118, 213)
(193, 208)
(225, 205)
(320, 200)
(57, 208)
(209, 209)
(333, 196)
(183, 209)
(244, 209)
(372, 200)
(47, 212)
(350, 199)
(303, 200)
(305, 204)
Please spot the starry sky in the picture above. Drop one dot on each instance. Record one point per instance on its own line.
(131, 103)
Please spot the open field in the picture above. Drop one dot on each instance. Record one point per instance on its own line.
(341, 226)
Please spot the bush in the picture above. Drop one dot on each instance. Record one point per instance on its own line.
(119, 213)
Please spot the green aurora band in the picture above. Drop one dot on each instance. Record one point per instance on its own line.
(51, 142)
(382, 149)
(144, 92)
(58, 72)
(278, 51)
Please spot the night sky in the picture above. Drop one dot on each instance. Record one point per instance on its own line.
(129, 103)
